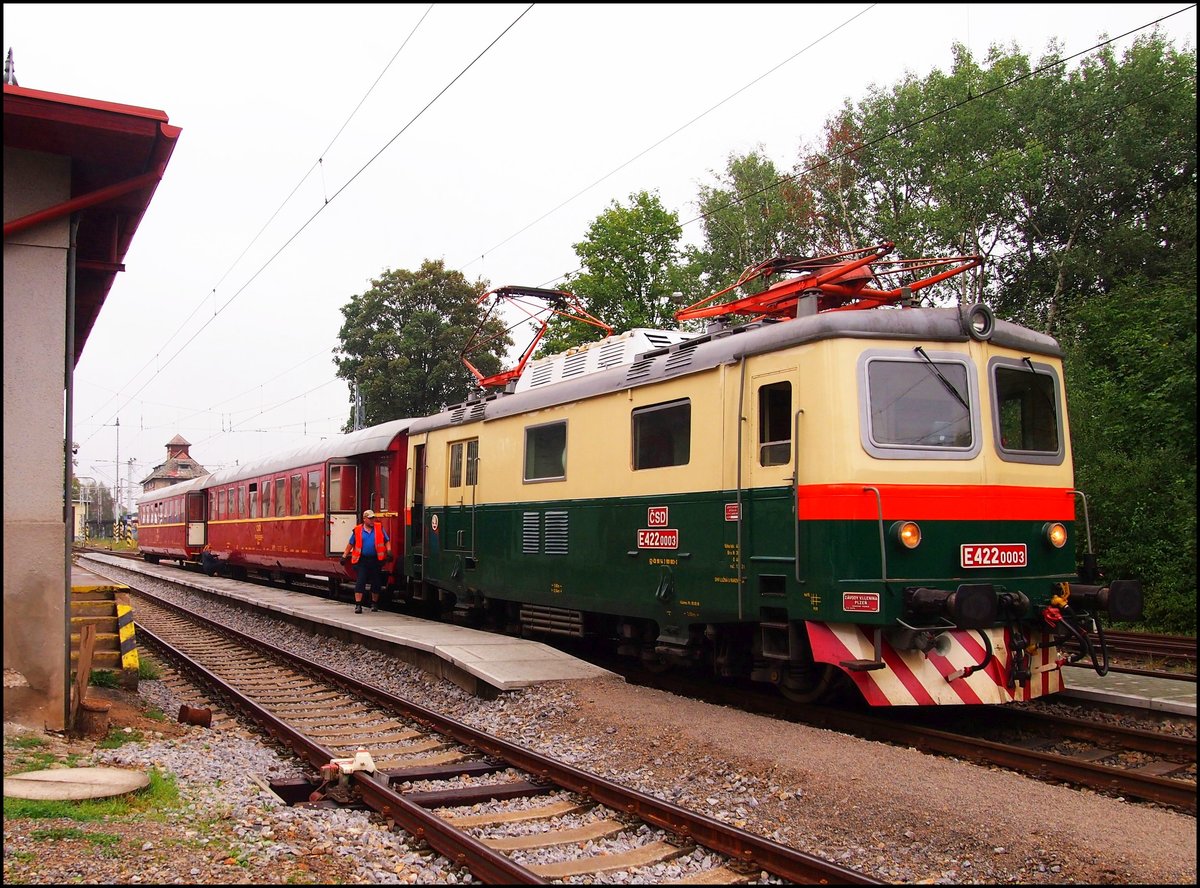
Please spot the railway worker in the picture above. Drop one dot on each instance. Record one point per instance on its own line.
(369, 547)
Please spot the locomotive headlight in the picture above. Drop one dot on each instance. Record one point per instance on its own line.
(1056, 534)
(908, 533)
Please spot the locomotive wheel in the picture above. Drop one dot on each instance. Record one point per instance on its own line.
(810, 686)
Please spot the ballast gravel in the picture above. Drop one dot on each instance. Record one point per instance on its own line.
(890, 812)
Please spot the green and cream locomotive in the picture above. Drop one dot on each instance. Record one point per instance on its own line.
(883, 496)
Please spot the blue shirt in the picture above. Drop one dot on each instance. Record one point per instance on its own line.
(368, 541)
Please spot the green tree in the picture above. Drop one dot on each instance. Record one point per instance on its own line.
(632, 263)
(403, 338)
(1131, 380)
(1110, 149)
(752, 213)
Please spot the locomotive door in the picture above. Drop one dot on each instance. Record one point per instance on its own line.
(341, 497)
(769, 520)
(197, 528)
(459, 516)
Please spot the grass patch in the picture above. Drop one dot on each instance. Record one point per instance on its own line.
(28, 753)
(27, 741)
(148, 669)
(57, 834)
(104, 678)
(161, 796)
(155, 714)
(119, 737)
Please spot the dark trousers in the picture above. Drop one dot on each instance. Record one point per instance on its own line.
(369, 570)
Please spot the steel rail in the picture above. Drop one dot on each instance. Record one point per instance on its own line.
(1176, 793)
(484, 863)
(787, 863)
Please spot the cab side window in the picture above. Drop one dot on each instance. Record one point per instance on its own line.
(662, 435)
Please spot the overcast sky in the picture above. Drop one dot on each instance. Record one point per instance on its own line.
(488, 136)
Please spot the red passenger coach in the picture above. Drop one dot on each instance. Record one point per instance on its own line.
(291, 515)
(171, 522)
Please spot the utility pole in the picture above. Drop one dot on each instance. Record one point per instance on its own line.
(117, 488)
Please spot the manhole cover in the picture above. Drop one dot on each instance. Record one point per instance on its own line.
(74, 783)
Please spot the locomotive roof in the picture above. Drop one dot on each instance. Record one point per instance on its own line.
(732, 344)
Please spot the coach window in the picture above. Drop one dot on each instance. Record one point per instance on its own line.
(546, 452)
(232, 503)
(241, 500)
(221, 503)
(280, 497)
(297, 489)
(464, 463)
(314, 493)
(1025, 416)
(662, 435)
(774, 424)
(343, 482)
(253, 499)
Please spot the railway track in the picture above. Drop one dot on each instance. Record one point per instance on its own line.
(1142, 764)
(430, 772)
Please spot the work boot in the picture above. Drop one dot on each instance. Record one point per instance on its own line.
(374, 606)
(358, 608)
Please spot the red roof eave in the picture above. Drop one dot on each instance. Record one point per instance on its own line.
(118, 155)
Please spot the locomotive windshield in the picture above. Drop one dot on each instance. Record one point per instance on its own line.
(1026, 417)
(919, 405)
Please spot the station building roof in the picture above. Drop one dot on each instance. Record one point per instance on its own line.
(118, 155)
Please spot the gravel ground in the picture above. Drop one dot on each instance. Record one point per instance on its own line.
(893, 813)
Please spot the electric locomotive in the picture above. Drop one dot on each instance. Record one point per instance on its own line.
(846, 488)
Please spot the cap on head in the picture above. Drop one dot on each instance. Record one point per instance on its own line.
(368, 514)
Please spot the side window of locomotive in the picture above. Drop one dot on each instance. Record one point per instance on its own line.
(662, 435)
(464, 463)
(774, 424)
(314, 493)
(917, 405)
(546, 452)
(1025, 415)
(280, 497)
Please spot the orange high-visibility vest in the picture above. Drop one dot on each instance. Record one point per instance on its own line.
(380, 543)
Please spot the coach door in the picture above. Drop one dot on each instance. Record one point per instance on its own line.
(341, 486)
(196, 526)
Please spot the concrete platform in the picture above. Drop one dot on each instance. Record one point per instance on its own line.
(499, 662)
(73, 783)
(84, 580)
(1161, 694)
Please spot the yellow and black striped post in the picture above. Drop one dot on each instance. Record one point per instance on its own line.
(125, 629)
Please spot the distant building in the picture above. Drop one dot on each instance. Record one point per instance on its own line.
(179, 467)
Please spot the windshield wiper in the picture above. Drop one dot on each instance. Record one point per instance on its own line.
(947, 383)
